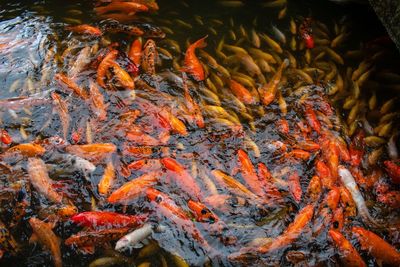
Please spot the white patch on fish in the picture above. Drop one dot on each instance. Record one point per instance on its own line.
(348, 181)
(135, 238)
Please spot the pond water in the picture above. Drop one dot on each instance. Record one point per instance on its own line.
(272, 142)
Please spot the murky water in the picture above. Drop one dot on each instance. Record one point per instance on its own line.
(252, 163)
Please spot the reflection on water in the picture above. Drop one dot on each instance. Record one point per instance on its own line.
(256, 146)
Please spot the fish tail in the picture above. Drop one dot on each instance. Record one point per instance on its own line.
(201, 43)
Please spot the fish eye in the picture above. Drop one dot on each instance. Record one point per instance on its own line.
(204, 211)
(158, 199)
(336, 224)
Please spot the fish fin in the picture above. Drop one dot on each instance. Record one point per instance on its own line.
(201, 43)
(87, 249)
(1, 253)
(33, 239)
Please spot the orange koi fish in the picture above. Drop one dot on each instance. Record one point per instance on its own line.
(312, 119)
(149, 57)
(192, 106)
(135, 51)
(233, 185)
(249, 174)
(347, 202)
(94, 219)
(134, 188)
(43, 233)
(86, 241)
(295, 186)
(40, 180)
(269, 90)
(170, 210)
(146, 165)
(290, 234)
(182, 177)
(124, 79)
(28, 150)
(283, 126)
(332, 198)
(85, 29)
(201, 212)
(347, 252)
(92, 152)
(137, 136)
(104, 65)
(314, 188)
(241, 92)
(267, 182)
(62, 110)
(107, 180)
(97, 102)
(193, 65)
(5, 138)
(69, 84)
(324, 173)
(124, 7)
(377, 247)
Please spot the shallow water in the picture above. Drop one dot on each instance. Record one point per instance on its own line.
(39, 46)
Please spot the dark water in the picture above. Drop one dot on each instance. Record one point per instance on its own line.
(41, 47)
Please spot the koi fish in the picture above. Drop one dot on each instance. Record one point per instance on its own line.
(377, 247)
(40, 180)
(393, 170)
(69, 84)
(70, 163)
(267, 182)
(28, 150)
(269, 90)
(62, 110)
(314, 188)
(291, 233)
(351, 185)
(192, 106)
(135, 51)
(193, 65)
(347, 252)
(104, 65)
(305, 31)
(85, 29)
(123, 78)
(94, 219)
(241, 92)
(295, 186)
(201, 212)
(149, 57)
(134, 188)
(135, 238)
(146, 165)
(5, 138)
(97, 101)
(249, 174)
(92, 151)
(86, 241)
(233, 185)
(43, 233)
(124, 7)
(81, 61)
(167, 207)
(182, 177)
(107, 180)
(312, 119)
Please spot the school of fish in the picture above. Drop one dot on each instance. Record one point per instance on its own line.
(244, 146)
